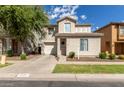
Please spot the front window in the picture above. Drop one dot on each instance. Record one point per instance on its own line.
(67, 27)
(121, 30)
(83, 44)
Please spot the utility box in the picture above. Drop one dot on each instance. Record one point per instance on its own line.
(3, 59)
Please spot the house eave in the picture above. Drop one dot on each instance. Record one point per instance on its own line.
(79, 35)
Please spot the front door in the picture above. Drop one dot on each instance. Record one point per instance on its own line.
(119, 48)
(63, 46)
(15, 46)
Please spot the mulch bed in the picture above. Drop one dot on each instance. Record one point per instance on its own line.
(93, 59)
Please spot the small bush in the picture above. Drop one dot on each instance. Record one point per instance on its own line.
(9, 53)
(23, 56)
(112, 56)
(121, 57)
(103, 55)
(71, 54)
(107, 54)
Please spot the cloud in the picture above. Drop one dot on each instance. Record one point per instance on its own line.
(57, 9)
(53, 16)
(62, 11)
(74, 17)
(73, 10)
(64, 14)
(83, 17)
(97, 27)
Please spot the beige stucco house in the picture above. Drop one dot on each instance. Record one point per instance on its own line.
(62, 38)
(67, 36)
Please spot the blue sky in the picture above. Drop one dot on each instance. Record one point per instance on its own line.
(96, 15)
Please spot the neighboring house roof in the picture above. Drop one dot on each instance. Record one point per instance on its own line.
(51, 25)
(78, 34)
(67, 17)
(112, 23)
(3, 34)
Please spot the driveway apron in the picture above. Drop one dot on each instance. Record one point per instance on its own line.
(42, 64)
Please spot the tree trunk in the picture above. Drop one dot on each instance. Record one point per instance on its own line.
(22, 48)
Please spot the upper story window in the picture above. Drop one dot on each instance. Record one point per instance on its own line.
(83, 29)
(121, 30)
(67, 27)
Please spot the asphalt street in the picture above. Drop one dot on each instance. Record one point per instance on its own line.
(35, 83)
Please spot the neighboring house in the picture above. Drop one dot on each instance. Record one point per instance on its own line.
(113, 40)
(64, 37)
(10, 43)
(67, 36)
(3, 38)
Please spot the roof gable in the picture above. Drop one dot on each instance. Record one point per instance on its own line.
(67, 17)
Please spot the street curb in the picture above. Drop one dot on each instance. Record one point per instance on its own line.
(65, 77)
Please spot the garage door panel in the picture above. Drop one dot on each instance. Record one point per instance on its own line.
(50, 49)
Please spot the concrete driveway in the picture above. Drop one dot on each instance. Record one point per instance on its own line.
(41, 64)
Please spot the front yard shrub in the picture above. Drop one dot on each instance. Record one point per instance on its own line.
(9, 53)
(103, 55)
(112, 56)
(121, 57)
(23, 56)
(71, 54)
(107, 54)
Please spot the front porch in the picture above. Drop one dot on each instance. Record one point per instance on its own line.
(61, 46)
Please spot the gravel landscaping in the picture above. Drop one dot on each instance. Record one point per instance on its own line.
(93, 59)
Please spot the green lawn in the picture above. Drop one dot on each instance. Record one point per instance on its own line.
(71, 68)
(7, 64)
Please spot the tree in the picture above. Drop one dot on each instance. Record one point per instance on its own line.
(21, 22)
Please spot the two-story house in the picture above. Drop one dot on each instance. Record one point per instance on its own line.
(62, 38)
(113, 40)
(67, 36)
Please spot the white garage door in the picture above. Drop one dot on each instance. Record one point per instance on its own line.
(49, 49)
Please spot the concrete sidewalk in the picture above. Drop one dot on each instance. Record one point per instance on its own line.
(64, 77)
(41, 67)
